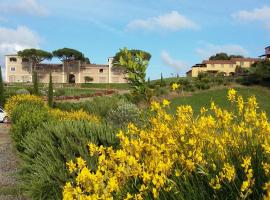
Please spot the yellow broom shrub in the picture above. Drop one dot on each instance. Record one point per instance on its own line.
(178, 145)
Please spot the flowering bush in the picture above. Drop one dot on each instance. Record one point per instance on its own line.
(218, 154)
(73, 115)
(22, 98)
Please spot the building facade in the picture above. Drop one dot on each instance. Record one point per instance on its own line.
(20, 70)
(227, 67)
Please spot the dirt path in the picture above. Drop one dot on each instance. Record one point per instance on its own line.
(9, 189)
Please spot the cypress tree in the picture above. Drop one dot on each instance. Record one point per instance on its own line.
(50, 92)
(2, 93)
(35, 83)
(148, 81)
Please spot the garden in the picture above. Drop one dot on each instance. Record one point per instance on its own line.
(166, 139)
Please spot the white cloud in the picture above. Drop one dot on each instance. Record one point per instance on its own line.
(13, 40)
(172, 21)
(177, 65)
(208, 50)
(257, 14)
(30, 7)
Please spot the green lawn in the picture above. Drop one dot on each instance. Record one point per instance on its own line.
(75, 91)
(118, 86)
(219, 96)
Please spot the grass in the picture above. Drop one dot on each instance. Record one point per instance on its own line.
(118, 86)
(219, 96)
(76, 91)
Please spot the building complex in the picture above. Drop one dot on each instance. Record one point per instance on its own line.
(227, 67)
(20, 70)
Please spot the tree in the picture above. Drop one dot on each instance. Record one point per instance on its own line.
(35, 56)
(67, 55)
(35, 83)
(2, 92)
(224, 56)
(134, 52)
(220, 56)
(261, 69)
(135, 66)
(50, 92)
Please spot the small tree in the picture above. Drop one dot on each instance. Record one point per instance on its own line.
(50, 92)
(35, 83)
(2, 92)
(88, 79)
(135, 66)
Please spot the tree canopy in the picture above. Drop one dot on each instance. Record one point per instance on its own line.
(224, 56)
(125, 53)
(262, 69)
(35, 55)
(67, 55)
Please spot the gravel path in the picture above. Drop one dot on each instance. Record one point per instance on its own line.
(8, 167)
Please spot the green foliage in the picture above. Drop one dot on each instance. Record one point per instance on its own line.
(35, 83)
(118, 86)
(2, 92)
(50, 146)
(162, 82)
(224, 56)
(124, 114)
(50, 92)
(22, 91)
(88, 79)
(35, 55)
(135, 66)
(67, 55)
(98, 106)
(262, 70)
(25, 118)
(145, 55)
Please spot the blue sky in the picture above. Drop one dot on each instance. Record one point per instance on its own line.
(178, 33)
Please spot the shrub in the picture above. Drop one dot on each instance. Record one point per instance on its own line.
(22, 91)
(60, 92)
(19, 99)
(26, 118)
(99, 106)
(220, 154)
(50, 146)
(125, 113)
(159, 91)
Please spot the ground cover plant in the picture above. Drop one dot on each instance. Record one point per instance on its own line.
(218, 154)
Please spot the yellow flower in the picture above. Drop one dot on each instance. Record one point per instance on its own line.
(231, 95)
(165, 103)
(175, 86)
(81, 163)
(155, 106)
(71, 166)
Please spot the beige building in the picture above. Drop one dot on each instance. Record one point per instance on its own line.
(20, 70)
(221, 66)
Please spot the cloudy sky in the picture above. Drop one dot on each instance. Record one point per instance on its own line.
(178, 33)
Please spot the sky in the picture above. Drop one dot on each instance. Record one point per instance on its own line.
(177, 33)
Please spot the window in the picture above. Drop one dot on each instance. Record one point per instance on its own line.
(13, 69)
(25, 60)
(13, 59)
(222, 65)
(100, 70)
(213, 66)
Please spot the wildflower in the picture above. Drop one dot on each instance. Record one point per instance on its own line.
(231, 95)
(71, 166)
(81, 163)
(175, 86)
(155, 106)
(165, 103)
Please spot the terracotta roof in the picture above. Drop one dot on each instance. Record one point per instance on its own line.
(188, 71)
(218, 62)
(245, 59)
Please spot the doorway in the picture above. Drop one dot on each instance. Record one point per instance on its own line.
(71, 78)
